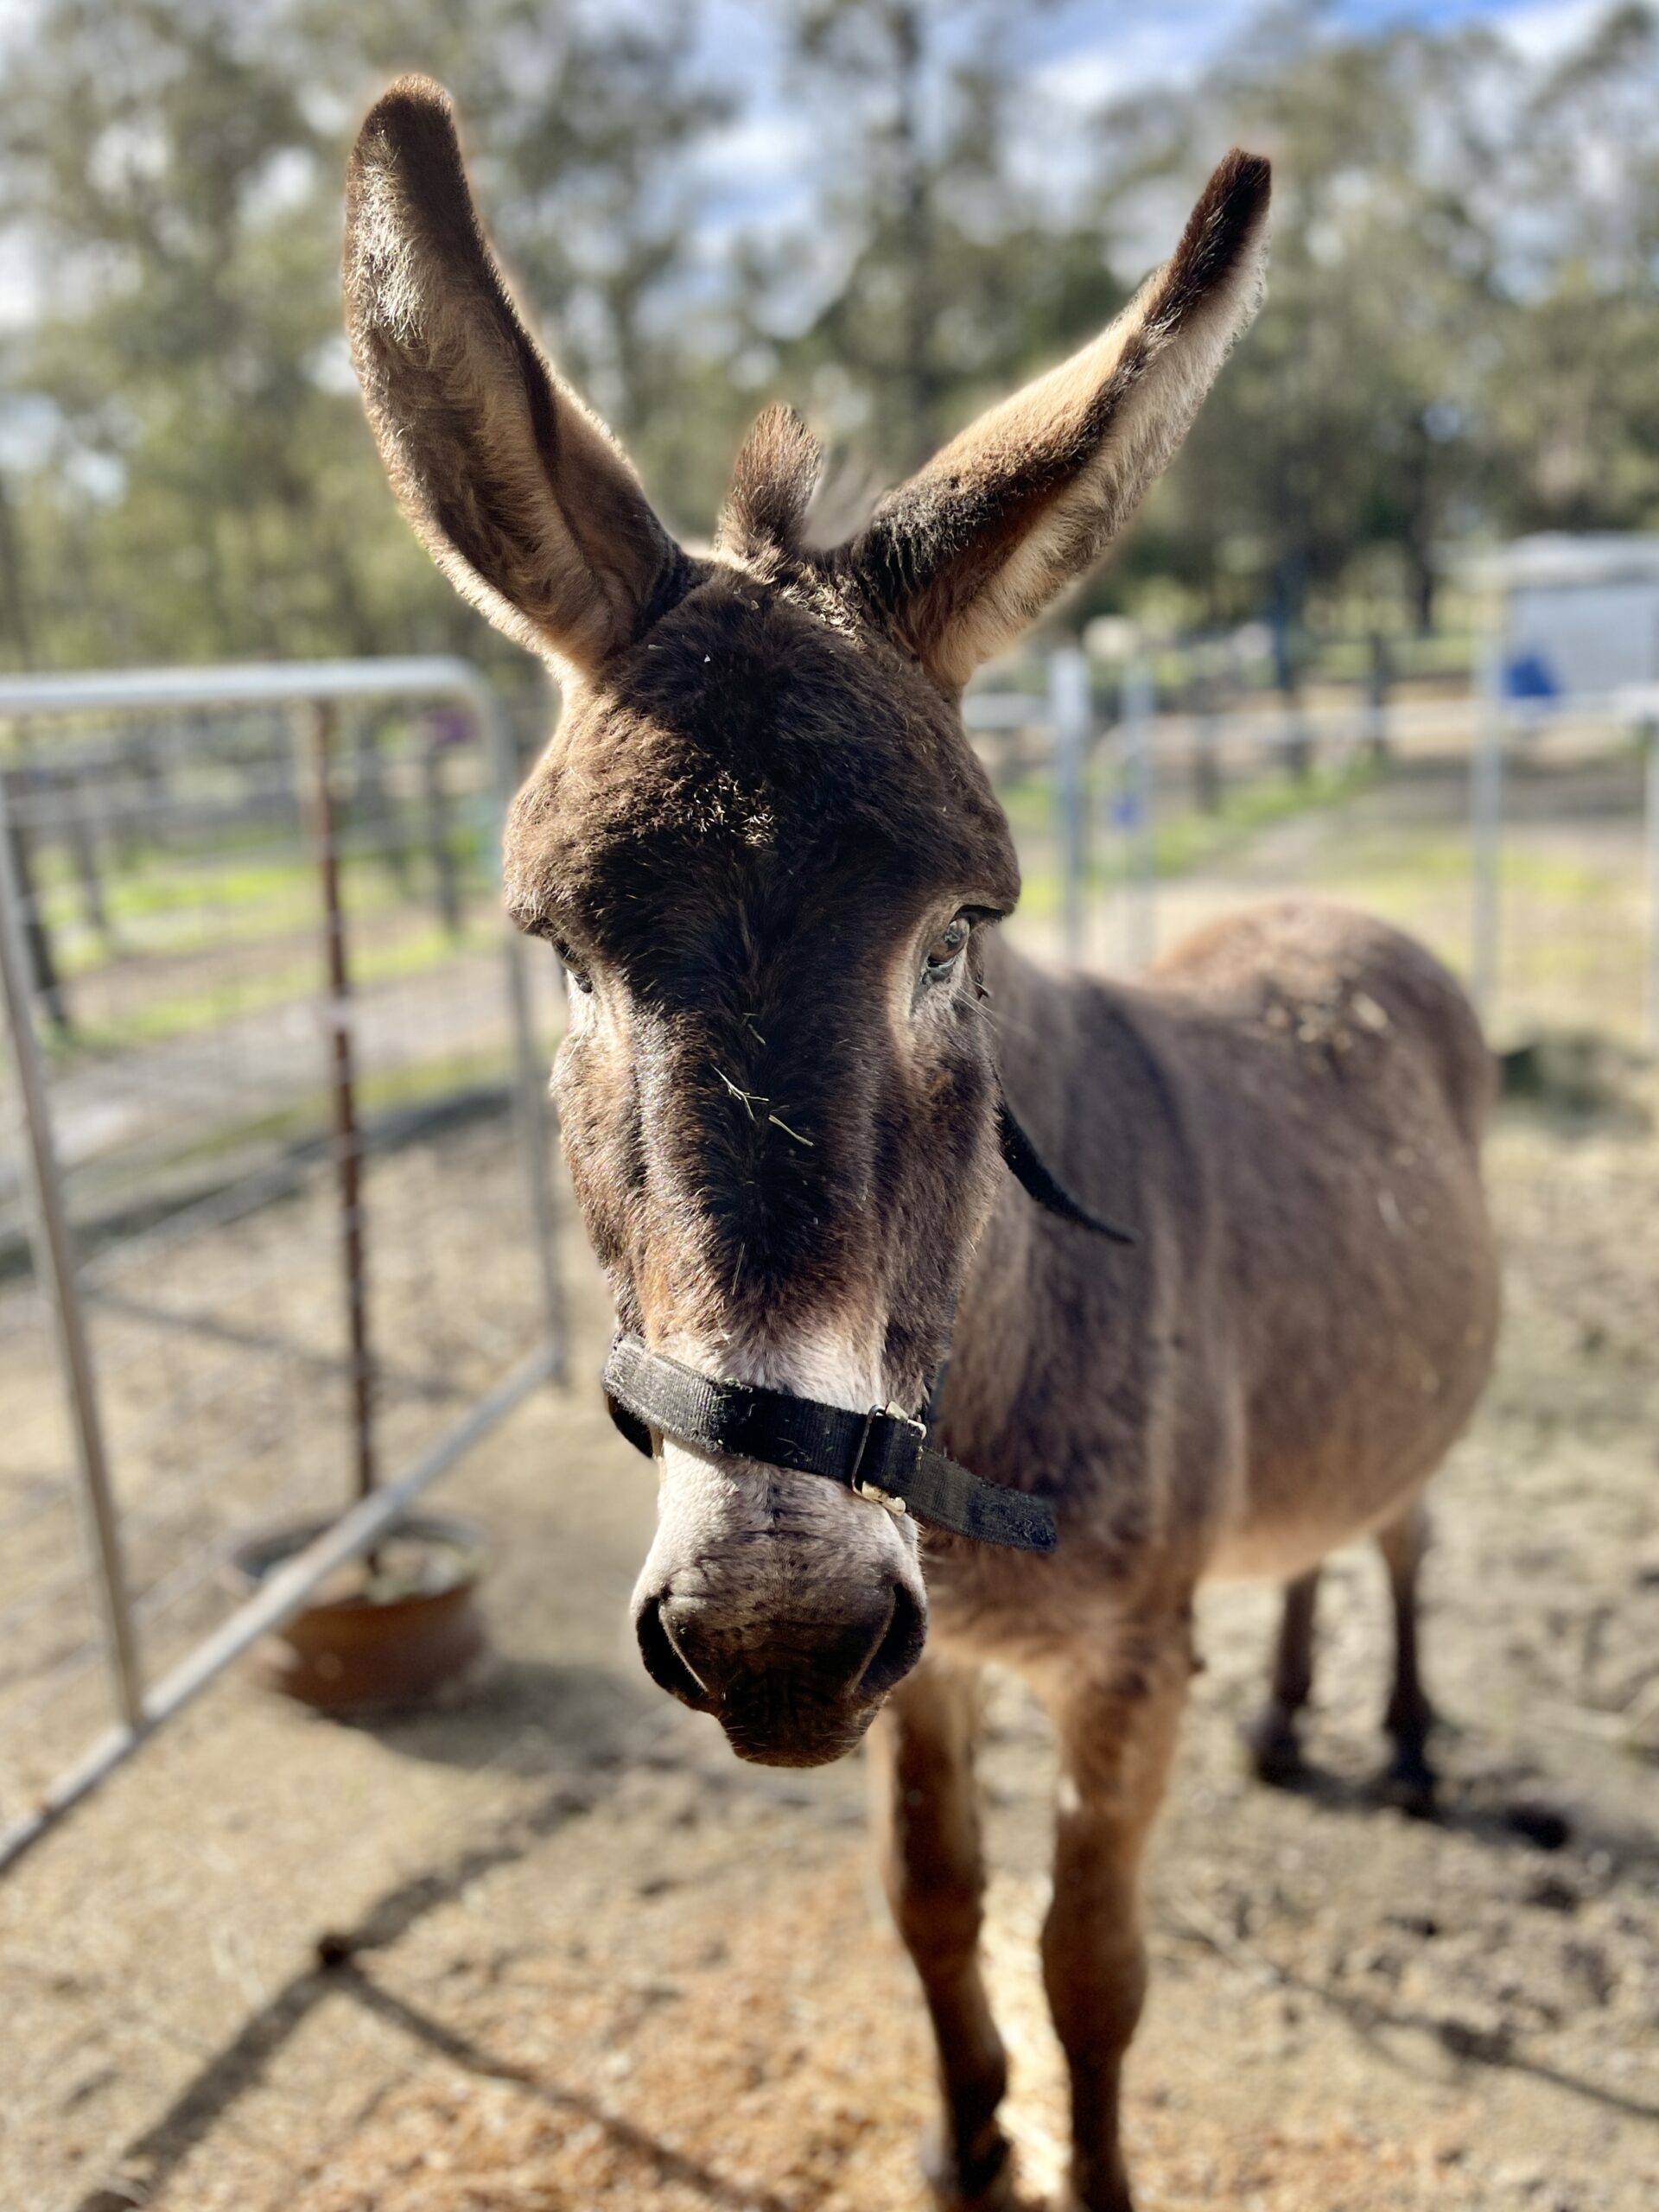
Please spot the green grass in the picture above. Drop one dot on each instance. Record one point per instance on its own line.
(167, 902)
(1182, 841)
(183, 1014)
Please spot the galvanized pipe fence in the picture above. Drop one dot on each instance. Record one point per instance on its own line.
(1114, 759)
(32, 989)
(1112, 766)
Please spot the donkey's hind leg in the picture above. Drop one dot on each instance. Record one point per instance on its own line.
(1271, 1738)
(927, 1819)
(1409, 1778)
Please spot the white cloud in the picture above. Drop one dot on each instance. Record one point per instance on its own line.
(1545, 29)
(1158, 45)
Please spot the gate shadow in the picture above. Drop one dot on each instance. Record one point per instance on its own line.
(669, 2166)
(526, 1717)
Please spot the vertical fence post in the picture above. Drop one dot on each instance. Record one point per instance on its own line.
(56, 1266)
(1068, 718)
(433, 729)
(1140, 713)
(20, 821)
(342, 1077)
(1486, 830)
(530, 1076)
(1204, 711)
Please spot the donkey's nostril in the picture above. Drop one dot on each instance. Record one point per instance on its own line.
(899, 1647)
(662, 1646)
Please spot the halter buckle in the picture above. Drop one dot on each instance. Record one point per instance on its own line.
(873, 1492)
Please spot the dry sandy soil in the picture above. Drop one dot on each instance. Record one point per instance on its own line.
(549, 1949)
(224, 1401)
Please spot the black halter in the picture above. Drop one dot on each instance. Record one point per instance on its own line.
(885, 1455)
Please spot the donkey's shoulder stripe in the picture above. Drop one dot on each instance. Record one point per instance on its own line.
(881, 1455)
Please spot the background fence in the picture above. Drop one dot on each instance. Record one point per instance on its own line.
(1522, 844)
(275, 1199)
(286, 1157)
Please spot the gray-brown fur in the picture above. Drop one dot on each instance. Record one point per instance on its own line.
(519, 494)
(755, 838)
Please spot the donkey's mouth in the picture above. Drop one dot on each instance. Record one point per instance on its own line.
(774, 1724)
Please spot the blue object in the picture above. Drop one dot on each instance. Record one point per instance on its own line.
(1529, 676)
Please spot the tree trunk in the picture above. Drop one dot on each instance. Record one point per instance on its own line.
(916, 220)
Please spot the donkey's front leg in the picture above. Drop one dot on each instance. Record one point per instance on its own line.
(1117, 1713)
(928, 1824)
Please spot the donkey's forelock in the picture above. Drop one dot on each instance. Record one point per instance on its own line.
(774, 478)
(755, 739)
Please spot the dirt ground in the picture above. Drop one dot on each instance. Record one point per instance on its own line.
(552, 1949)
(226, 1400)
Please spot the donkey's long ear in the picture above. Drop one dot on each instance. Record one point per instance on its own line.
(519, 494)
(964, 556)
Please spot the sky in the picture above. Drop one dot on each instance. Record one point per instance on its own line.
(1085, 53)
(1125, 42)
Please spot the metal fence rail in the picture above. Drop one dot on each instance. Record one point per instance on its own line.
(266, 1038)
(1109, 797)
(157, 1024)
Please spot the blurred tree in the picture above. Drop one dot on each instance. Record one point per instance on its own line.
(1572, 436)
(1462, 299)
(1343, 424)
(933, 278)
(1462, 319)
(158, 168)
(200, 481)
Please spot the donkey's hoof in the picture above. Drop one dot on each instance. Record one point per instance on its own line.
(1114, 2197)
(984, 2183)
(1409, 1782)
(1273, 1747)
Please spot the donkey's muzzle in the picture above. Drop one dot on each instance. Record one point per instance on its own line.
(786, 1692)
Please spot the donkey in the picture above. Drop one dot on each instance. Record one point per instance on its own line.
(1237, 1298)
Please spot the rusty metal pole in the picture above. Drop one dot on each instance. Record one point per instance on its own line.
(348, 1140)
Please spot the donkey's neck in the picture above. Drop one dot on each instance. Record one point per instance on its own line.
(1088, 1068)
(1070, 1049)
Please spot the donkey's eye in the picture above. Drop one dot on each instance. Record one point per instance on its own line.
(579, 977)
(946, 948)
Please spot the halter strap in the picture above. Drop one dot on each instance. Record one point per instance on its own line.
(885, 1455)
(882, 1455)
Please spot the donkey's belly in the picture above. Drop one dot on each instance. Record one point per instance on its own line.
(1342, 1444)
(1281, 1549)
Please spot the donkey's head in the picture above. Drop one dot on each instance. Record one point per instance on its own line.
(766, 855)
